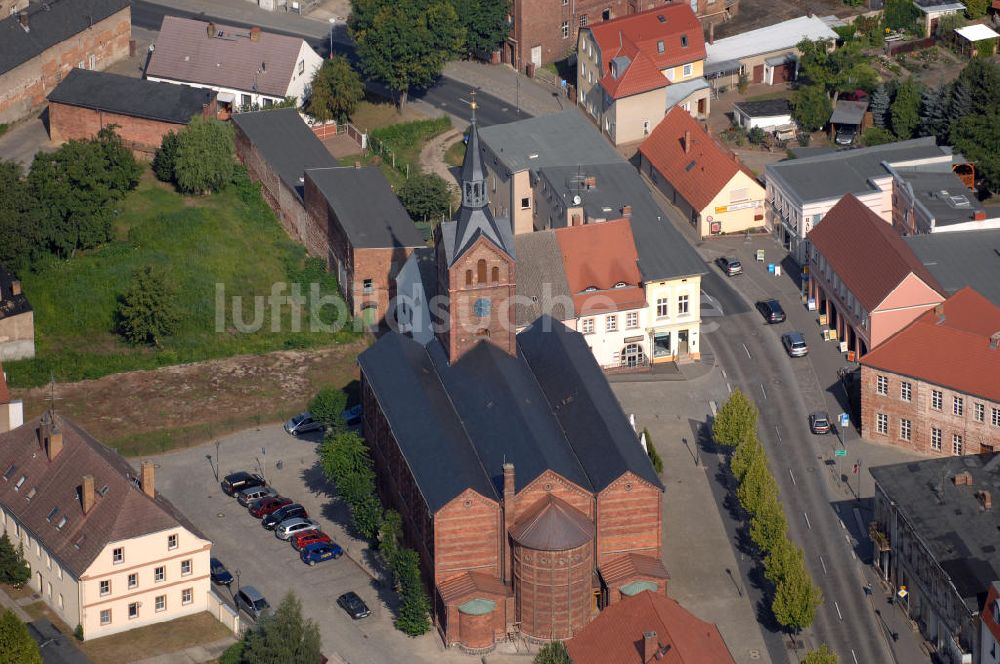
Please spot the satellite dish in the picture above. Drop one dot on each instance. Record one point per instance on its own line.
(576, 199)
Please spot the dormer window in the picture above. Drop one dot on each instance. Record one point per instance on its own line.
(590, 289)
(9, 473)
(17, 486)
(659, 46)
(684, 41)
(621, 284)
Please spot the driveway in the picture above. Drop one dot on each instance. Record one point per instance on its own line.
(23, 140)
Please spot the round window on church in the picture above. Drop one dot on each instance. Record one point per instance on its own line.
(482, 307)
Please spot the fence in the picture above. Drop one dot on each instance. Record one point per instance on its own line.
(333, 128)
(224, 613)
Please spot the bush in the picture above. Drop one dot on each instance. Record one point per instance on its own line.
(812, 107)
(425, 196)
(756, 135)
(233, 654)
(16, 644)
(163, 160)
(822, 655)
(328, 407)
(877, 136)
(205, 159)
(78, 632)
(14, 570)
(553, 652)
(654, 456)
(148, 310)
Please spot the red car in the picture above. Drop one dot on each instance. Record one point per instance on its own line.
(265, 506)
(303, 540)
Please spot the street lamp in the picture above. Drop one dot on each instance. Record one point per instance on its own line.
(333, 22)
(237, 572)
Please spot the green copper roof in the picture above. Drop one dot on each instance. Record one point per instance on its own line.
(480, 607)
(637, 587)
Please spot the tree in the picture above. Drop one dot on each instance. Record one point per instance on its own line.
(414, 605)
(654, 456)
(425, 196)
(822, 655)
(405, 44)
(485, 23)
(757, 486)
(905, 109)
(205, 159)
(23, 235)
(781, 561)
(16, 644)
(147, 310)
(976, 8)
(978, 138)
(328, 407)
(336, 91)
(553, 652)
(877, 136)
(14, 570)
(901, 15)
(284, 636)
(736, 421)
(981, 78)
(879, 106)
(745, 453)
(768, 526)
(842, 70)
(233, 654)
(796, 600)
(933, 112)
(811, 107)
(163, 160)
(123, 171)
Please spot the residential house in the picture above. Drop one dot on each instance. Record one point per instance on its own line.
(766, 55)
(768, 114)
(142, 112)
(647, 628)
(865, 282)
(801, 191)
(963, 259)
(44, 41)
(934, 540)
(990, 633)
(11, 410)
(935, 201)
(704, 180)
(17, 320)
(933, 10)
(248, 68)
(107, 552)
(632, 70)
(520, 482)
(943, 401)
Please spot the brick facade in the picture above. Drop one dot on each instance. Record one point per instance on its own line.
(925, 417)
(73, 122)
(24, 88)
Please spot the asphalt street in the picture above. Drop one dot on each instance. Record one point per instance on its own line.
(446, 94)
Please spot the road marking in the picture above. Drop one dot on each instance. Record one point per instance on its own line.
(844, 527)
(763, 392)
(729, 387)
(821, 562)
(807, 520)
(724, 373)
(712, 407)
(792, 476)
(852, 555)
(854, 656)
(748, 351)
(837, 606)
(777, 433)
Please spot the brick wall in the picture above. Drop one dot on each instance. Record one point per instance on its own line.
(629, 519)
(466, 327)
(467, 537)
(976, 437)
(25, 87)
(382, 267)
(72, 122)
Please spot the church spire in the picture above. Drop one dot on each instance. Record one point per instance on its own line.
(473, 178)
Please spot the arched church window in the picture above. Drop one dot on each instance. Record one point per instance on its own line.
(468, 277)
(481, 271)
(495, 275)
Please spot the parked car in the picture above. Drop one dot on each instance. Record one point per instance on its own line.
(303, 423)
(302, 540)
(252, 601)
(354, 605)
(294, 526)
(220, 575)
(846, 134)
(248, 497)
(730, 265)
(317, 553)
(819, 422)
(241, 480)
(772, 311)
(268, 504)
(795, 344)
(291, 511)
(352, 416)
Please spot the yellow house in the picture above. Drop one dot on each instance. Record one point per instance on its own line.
(106, 551)
(633, 69)
(707, 182)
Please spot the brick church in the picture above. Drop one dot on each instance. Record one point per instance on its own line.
(521, 483)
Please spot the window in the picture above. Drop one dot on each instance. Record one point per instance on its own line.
(105, 587)
(662, 307)
(882, 423)
(565, 2)
(118, 556)
(587, 325)
(133, 580)
(268, 103)
(495, 275)
(935, 439)
(682, 304)
(366, 286)
(525, 203)
(583, 20)
(684, 44)
(185, 567)
(133, 610)
(905, 429)
(611, 323)
(937, 399)
(159, 573)
(606, 15)
(93, 62)
(659, 46)
(995, 416)
(58, 571)
(161, 602)
(172, 540)
(905, 390)
(980, 412)
(688, 70)
(245, 100)
(60, 601)
(632, 319)
(564, 28)
(48, 588)
(882, 385)
(52, 514)
(481, 271)
(302, 66)
(20, 482)
(187, 596)
(956, 443)
(106, 617)
(468, 277)
(958, 405)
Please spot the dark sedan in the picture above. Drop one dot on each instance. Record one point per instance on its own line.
(220, 575)
(771, 311)
(354, 605)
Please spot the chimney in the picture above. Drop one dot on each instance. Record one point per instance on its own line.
(148, 472)
(509, 515)
(254, 34)
(590, 181)
(15, 287)
(210, 29)
(23, 18)
(980, 215)
(985, 499)
(54, 443)
(963, 479)
(576, 221)
(650, 646)
(626, 210)
(711, 33)
(87, 493)
(687, 141)
(44, 427)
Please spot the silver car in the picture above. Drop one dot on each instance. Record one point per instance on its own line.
(290, 527)
(246, 497)
(250, 600)
(795, 344)
(303, 423)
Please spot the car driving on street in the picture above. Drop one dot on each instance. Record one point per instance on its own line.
(819, 422)
(795, 344)
(771, 311)
(730, 265)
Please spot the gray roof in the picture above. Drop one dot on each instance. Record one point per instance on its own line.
(849, 112)
(286, 143)
(678, 92)
(943, 195)
(542, 287)
(826, 176)
(663, 251)
(962, 258)
(765, 107)
(135, 97)
(548, 140)
(49, 24)
(949, 519)
(549, 408)
(366, 207)
(938, 5)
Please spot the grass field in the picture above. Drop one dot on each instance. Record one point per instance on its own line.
(158, 639)
(397, 147)
(230, 240)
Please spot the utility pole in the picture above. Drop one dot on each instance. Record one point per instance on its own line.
(517, 85)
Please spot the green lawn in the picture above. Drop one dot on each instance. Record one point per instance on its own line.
(397, 146)
(230, 239)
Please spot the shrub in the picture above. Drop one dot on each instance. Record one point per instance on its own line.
(16, 644)
(14, 570)
(148, 310)
(756, 135)
(425, 196)
(233, 654)
(877, 136)
(163, 160)
(205, 158)
(654, 456)
(553, 652)
(328, 407)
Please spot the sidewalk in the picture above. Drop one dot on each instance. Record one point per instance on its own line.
(504, 83)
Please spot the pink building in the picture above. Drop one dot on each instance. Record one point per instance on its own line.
(864, 278)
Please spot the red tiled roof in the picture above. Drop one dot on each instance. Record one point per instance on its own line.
(960, 356)
(632, 565)
(867, 254)
(616, 635)
(467, 584)
(994, 594)
(636, 36)
(713, 165)
(601, 255)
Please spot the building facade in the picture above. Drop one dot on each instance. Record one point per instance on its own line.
(17, 320)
